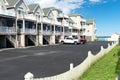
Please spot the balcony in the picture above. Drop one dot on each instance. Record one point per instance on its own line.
(7, 30)
(20, 16)
(45, 20)
(28, 31)
(57, 23)
(47, 32)
(67, 33)
(74, 33)
(64, 23)
(30, 17)
(7, 13)
(82, 33)
(58, 33)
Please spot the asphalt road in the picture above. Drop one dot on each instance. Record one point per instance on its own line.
(43, 61)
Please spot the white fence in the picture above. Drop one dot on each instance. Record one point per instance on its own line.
(77, 71)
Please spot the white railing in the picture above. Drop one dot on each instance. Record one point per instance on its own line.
(7, 30)
(58, 23)
(77, 71)
(47, 32)
(65, 23)
(20, 16)
(58, 33)
(67, 33)
(74, 33)
(7, 13)
(28, 31)
(45, 20)
(30, 17)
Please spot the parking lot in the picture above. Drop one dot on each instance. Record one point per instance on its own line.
(44, 61)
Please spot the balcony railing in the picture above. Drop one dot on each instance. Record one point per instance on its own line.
(58, 33)
(30, 17)
(7, 30)
(28, 31)
(47, 32)
(20, 16)
(67, 33)
(74, 33)
(58, 23)
(65, 23)
(47, 20)
(7, 13)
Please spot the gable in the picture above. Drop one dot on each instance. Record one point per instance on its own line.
(22, 5)
(16, 4)
(35, 8)
(2, 5)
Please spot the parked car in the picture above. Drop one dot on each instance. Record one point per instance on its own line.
(83, 40)
(69, 40)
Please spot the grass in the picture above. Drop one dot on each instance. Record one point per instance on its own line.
(107, 68)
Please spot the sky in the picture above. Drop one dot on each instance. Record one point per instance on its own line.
(105, 12)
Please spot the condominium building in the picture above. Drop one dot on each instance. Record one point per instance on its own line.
(90, 29)
(24, 25)
(83, 27)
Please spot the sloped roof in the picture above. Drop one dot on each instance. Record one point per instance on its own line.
(47, 10)
(90, 21)
(12, 2)
(74, 15)
(32, 7)
(70, 20)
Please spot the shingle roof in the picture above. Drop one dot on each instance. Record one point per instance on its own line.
(90, 21)
(32, 7)
(74, 15)
(12, 2)
(47, 10)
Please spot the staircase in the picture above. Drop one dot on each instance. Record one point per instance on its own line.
(47, 40)
(11, 39)
(32, 38)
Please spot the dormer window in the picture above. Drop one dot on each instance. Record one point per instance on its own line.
(37, 15)
(20, 12)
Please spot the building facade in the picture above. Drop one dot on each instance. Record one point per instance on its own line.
(24, 25)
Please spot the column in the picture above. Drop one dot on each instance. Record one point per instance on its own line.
(52, 39)
(22, 40)
(23, 35)
(41, 39)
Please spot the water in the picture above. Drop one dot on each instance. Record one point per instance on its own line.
(102, 38)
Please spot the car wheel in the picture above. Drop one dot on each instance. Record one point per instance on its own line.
(75, 43)
(81, 42)
(62, 42)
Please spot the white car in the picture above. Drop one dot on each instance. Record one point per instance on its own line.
(69, 40)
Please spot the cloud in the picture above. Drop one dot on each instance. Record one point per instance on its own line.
(95, 1)
(67, 6)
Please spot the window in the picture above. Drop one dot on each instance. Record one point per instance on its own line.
(20, 12)
(37, 15)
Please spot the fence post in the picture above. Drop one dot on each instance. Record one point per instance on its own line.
(116, 78)
(71, 66)
(28, 76)
(71, 71)
(89, 56)
(102, 48)
(108, 45)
